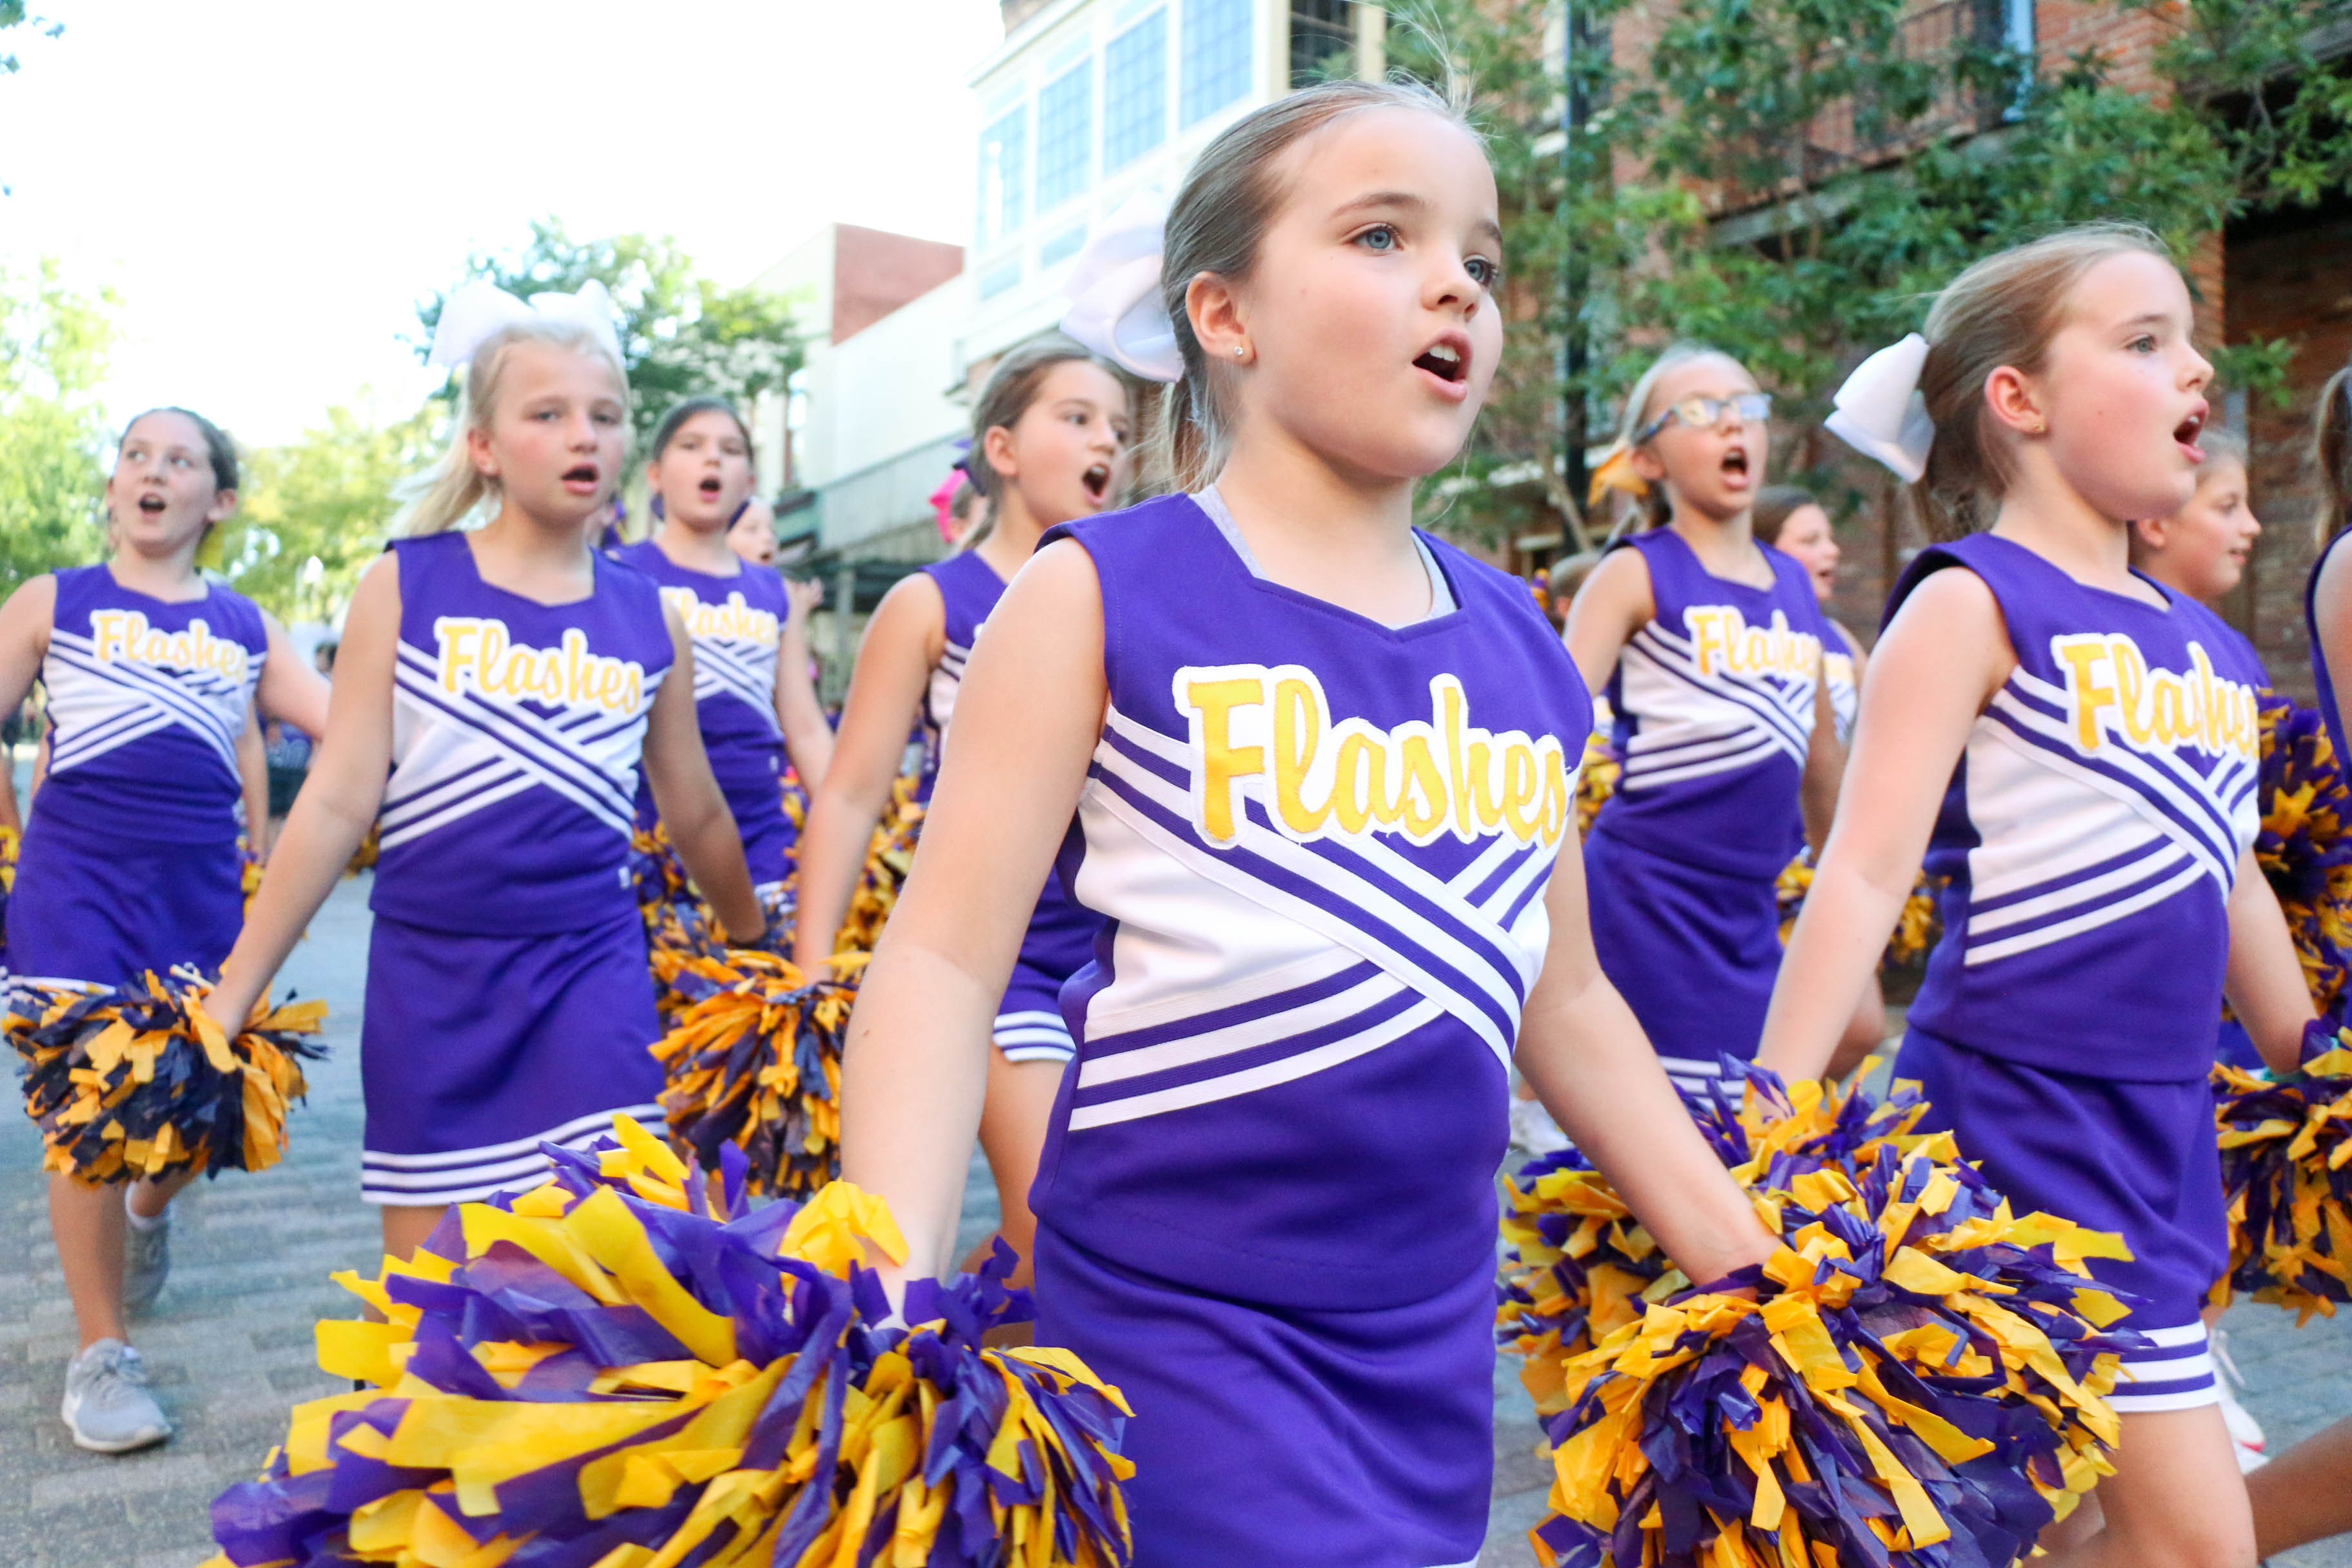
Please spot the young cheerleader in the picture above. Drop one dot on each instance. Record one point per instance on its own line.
(2074, 745)
(752, 696)
(1322, 767)
(1049, 434)
(1708, 646)
(753, 535)
(496, 692)
(1790, 520)
(130, 862)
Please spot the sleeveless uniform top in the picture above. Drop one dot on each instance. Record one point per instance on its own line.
(735, 624)
(516, 730)
(147, 699)
(1061, 931)
(2093, 828)
(1713, 702)
(1321, 846)
(2325, 686)
(969, 588)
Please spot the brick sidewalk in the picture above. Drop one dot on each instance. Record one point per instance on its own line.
(230, 1343)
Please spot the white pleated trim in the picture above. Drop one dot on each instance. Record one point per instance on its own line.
(464, 1175)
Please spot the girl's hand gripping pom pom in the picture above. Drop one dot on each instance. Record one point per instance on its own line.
(2286, 1166)
(1917, 1378)
(132, 1082)
(752, 1060)
(619, 1367)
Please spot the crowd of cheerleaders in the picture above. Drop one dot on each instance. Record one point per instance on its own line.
(1311, 882)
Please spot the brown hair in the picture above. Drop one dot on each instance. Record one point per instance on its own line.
(219, 450)
(1775, 505)
(2331, 452)
(1221, 212)
(1569, 573)
(674, 420)
(1011, 386)
(2004, 311)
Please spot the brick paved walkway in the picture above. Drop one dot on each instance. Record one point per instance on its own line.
(230, 1342)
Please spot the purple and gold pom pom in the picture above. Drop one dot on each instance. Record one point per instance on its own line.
(138, 1082)
(621, 1367)
(888, 856)
(1917, 927)
(1918, 1380)
(752, 1060)
(1596, 780)
(2286, 1167)
(2304, 847)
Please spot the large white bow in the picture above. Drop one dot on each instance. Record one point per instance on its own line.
(1114, 292)
(480, 310)
(1880, 413)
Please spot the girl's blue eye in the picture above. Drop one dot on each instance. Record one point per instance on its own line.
(1380, 237)
(2143, 344)
(1482, 269)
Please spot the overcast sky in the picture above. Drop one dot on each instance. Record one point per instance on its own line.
(271, 185)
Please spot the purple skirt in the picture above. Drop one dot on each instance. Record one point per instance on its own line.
(2139, 1159)
(100, 909)
(473, 1049)
(1269, 1435)
(1693, 952)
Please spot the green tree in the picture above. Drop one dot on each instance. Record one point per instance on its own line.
(329, 497)
(12, 15)
(1789, 178)
(53, 348)
(681, 335)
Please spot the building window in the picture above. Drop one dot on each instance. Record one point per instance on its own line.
(1322, 40)
(1003, 176)
(1061, 246)
(1135, 92)
(1216, 57)
(999, 277)
(1066, 113)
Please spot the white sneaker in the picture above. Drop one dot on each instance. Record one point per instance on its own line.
(108, 1407)
(1533, 1130)
(2245, 1431)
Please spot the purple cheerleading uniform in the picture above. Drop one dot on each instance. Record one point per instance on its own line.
(1266, 1204)
(508, 996)
(2092, 832)
(2232, 1044)
(1714, 705)
(736, 624)
(1060, 939)
(129, 860)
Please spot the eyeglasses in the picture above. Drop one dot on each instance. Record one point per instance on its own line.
(1700, 413)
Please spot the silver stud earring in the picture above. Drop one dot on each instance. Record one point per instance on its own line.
(1239, 350)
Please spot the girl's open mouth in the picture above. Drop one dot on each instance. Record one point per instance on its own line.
(2185, 432)
(153, 505)
(1096, 479)
(1735, 465)
(580, 477)
(1445, 361)
(709, 488)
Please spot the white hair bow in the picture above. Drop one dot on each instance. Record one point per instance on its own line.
(1880, 413)
(480, 310)
(1114, 292)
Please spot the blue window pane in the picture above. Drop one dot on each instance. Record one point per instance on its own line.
(1135, 92)
(1066, 113)
(1061, 246)
(1003, 176)
(998, 278)
(1216, 57)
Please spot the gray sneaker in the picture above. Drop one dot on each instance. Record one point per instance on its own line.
(146, 1261)
(108, 1407)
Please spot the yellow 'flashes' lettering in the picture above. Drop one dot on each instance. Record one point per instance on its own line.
(1222, 762)
(1298, 733)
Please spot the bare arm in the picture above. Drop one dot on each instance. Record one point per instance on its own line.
(253, 778)
(291, 691)
(1584, 1053)
(2264, 982)
(25, 622)
(915, 1069)
(1614, 603)
(1937, 668)
(808, 739)
(338, 803)
(1817, 789)
(693, 811)
(902, 643)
